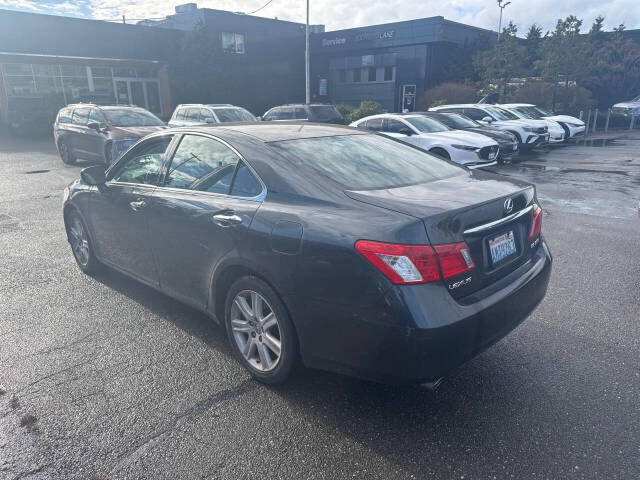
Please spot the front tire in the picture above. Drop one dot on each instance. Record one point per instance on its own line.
(81, 244)
(260, 330)
(65, 153)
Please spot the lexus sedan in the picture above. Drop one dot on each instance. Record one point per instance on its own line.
(340, 248)
(466, 148)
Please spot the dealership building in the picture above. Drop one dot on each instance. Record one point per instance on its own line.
(49, 61)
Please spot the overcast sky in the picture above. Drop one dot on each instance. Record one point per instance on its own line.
(336, 14)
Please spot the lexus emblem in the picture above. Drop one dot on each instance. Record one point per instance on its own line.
(508, 206)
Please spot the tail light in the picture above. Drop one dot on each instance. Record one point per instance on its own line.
(536, 223)
(406, 264)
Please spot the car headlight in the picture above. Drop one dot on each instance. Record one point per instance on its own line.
(527, 129)
(575, 125)
(465, 147)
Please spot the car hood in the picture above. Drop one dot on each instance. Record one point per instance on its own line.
(461, 136)
(565, 119)
(119, 133)
(494, 133)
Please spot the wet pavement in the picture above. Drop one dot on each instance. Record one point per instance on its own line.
(598, 176)
(103, 378)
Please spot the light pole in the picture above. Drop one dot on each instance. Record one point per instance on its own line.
(306, 59)
(502, 7)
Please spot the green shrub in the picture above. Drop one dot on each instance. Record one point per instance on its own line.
(366, 108)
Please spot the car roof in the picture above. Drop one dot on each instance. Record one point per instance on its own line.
(465, 105)
(396, 116)
(275, 132)
(516, 105)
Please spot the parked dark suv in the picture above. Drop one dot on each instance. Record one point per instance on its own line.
(98, 132)
(319, 113)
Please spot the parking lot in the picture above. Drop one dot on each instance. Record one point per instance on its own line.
(104, 378)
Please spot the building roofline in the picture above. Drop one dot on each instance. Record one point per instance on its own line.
(80, 59)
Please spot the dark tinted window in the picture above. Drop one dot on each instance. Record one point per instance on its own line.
(273, 114)
(203, 164)
(131, 117)
(80, 116)
(143, 163)
(356, 75)
(395, 126)
(192, 115)
(388, 74)
(300, 113)
(456, 121)
(323, 113)
(366, 161)
(206, 116)
(475, 113)
(375, 124)
(372, 74)
(65, 115)
(234, 115)
(245, 184)
(286, 113)
(96, 116)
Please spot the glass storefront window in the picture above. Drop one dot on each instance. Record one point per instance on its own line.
(20, 85)
(17, 69)
(101, 72)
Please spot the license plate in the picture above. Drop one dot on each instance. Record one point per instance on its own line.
(502, 247)
(492, 155)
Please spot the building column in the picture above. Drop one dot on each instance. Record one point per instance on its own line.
(165, 91)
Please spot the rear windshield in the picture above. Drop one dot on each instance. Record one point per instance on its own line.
(131, 118)
(324, 112)
(234, 115)
(365, 162)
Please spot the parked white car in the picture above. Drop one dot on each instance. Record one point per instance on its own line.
(573, 127)
(631, 107)
(467, 148)
(556, 132)
(188, 115)
(530, 133)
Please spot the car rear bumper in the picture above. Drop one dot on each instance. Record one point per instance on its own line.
(444, 333)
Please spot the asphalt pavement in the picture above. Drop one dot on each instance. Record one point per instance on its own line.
(104, 378)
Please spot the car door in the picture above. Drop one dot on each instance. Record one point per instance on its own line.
(200, 213)
(93, 139)
(77, 131)
(118, 211)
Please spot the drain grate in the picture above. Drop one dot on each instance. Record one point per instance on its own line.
(30, 172)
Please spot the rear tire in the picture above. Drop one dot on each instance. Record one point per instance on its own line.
(260, 331)
(81, 244)
(65, 153)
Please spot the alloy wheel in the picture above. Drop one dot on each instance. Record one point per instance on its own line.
(256, 330)
(79, 241)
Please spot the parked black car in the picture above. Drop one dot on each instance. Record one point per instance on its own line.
(507, 142)
(314, 112)
(355, 252)
(99, 132)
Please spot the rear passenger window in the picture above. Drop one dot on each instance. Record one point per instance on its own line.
(286, 114)
(245, 184)
(375, 124)
(475, 113)
(300, 114)
(203, 164)
(65, 115)
(395, 126)
(80, 116)
(206, 116)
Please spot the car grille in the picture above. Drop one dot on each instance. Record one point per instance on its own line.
(620, 110)
(488, 153)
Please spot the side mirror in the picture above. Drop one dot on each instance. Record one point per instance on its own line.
(210, 120)
(93, 175)
(487, 119)
(406, 131)
(94, 126)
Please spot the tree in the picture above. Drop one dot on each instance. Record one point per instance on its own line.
(533, 43)
(505, 60)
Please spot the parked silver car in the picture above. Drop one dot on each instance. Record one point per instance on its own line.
(188, 115)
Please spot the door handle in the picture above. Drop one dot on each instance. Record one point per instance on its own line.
(227, 218)
(137, 205)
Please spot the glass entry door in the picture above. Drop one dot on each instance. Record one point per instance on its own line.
(142, 93)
